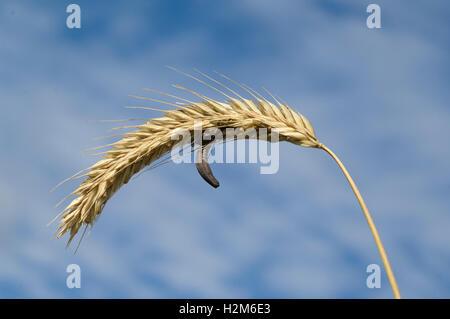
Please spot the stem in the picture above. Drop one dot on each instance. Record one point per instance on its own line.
(372, 227)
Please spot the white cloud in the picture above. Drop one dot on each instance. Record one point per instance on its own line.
(297, 233)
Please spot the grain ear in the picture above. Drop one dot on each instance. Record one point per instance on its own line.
(152, 140)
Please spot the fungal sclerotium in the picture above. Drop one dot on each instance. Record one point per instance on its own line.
(152, 140)
(202, 165)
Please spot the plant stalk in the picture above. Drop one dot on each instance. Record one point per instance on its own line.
(372, 227)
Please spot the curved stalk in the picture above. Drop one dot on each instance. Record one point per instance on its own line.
(372, 227)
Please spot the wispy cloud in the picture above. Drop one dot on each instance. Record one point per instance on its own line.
(378, 97)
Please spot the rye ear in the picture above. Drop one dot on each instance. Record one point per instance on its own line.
(152, 140)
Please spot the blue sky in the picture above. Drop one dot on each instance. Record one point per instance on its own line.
(378, 98)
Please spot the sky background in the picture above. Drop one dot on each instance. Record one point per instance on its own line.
(377, 97)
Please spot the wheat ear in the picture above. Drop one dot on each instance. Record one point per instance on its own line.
(153, 139)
